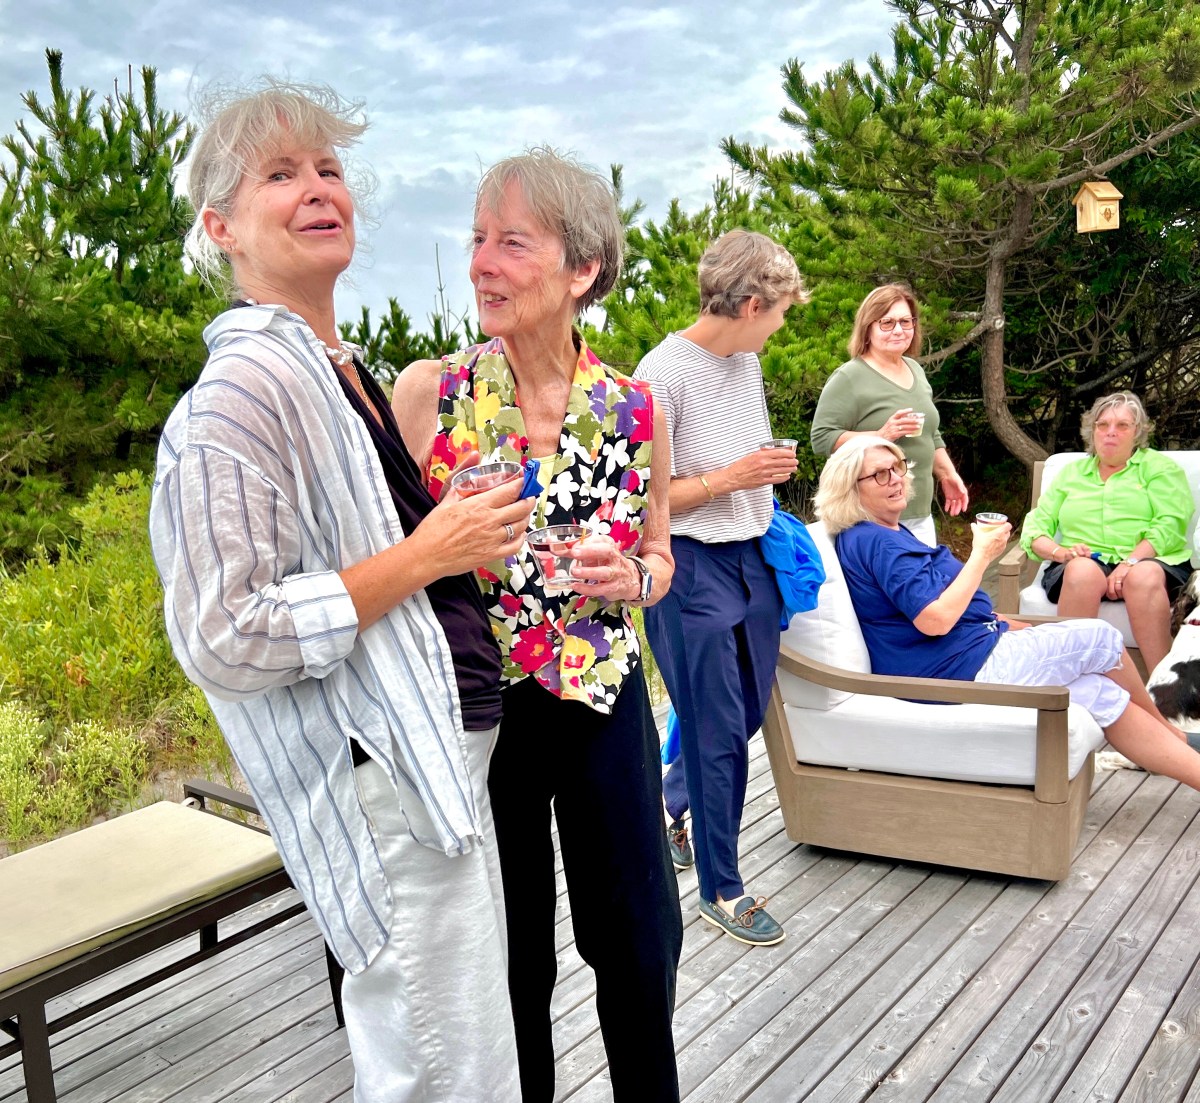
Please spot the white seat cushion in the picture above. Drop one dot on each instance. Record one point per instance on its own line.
(829, 633)
(985, 743)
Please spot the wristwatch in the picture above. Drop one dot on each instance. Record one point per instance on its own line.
(1130, 560)
(647, 579)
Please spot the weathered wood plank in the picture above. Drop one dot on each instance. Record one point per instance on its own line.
(327, 1056)
(1125, 809)
(761, 1031)
(1015, 1028)
(1163, 940)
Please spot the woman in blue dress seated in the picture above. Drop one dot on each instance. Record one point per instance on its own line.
(923, 614)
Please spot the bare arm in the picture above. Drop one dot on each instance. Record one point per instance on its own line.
(459, 535)
(762, 467)
(415, 403)
(943, 613)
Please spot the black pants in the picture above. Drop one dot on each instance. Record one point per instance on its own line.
(604, 777)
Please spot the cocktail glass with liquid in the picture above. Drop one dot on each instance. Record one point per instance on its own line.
(551, 549)
(484, 476)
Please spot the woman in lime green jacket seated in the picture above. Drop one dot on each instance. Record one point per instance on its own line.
(1114, 526)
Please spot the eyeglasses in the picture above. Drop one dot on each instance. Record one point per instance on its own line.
(884, 475)
(888, 324)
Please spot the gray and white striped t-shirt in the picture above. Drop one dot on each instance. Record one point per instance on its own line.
(716, 413)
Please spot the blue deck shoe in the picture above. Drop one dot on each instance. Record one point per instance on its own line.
(680, 846)
(750, 922)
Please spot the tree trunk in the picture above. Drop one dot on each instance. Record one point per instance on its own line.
(995, 390)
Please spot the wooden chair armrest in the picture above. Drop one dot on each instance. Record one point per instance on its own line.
(953, 691)
(1012, 568)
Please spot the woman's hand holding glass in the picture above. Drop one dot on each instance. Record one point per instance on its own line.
(903, 423)
(990, 541)
(602, 570)
(762, 467)
(469, 531)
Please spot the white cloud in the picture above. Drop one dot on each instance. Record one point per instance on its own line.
(449, 89)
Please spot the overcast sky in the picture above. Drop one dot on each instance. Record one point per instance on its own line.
(451, 87)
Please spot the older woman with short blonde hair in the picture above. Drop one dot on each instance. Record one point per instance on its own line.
(923, 614)
(882, 391)
(1114, 525)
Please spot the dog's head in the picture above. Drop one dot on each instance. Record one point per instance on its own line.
(1187, 605)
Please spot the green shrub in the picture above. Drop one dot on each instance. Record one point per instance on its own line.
(81, 635)
(96, 701)
(50, 782)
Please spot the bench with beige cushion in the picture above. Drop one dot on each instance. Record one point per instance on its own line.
(1020, 584)
(75, 908)
(996, 781)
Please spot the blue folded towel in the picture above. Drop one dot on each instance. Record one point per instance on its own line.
(530, 487)
(799, 572)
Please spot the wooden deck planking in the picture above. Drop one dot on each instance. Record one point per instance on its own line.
(896, 982)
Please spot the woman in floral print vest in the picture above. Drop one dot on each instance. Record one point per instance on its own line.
(577, 730)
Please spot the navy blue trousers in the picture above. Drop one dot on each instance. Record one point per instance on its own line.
(716, 639)
(603, 776)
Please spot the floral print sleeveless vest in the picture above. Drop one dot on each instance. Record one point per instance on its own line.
(579, 648)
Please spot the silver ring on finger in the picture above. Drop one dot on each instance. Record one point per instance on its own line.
(508, 532)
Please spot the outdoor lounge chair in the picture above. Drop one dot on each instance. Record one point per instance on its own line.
(84, 904)
(997, 781)
(1020, 588)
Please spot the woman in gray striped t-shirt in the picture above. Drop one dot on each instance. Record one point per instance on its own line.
(716, 632)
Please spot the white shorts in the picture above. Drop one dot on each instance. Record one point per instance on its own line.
(1071, 653)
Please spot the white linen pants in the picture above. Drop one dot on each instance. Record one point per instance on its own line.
(1071, 653)
(429, 1019)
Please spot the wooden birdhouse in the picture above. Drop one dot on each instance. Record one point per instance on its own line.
(1097, 207)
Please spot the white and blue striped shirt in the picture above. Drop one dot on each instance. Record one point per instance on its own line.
(267, 486)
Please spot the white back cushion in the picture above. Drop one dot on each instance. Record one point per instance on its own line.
(829, 633)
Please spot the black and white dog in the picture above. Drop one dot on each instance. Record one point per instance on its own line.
(1175, 682)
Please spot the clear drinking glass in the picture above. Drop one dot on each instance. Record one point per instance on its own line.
(484, 476)
(551, 549)
(989, 521)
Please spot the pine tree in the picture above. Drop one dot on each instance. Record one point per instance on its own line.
(956, 162)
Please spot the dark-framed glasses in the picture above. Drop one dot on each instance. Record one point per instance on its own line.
(888, 324)
(884, 475)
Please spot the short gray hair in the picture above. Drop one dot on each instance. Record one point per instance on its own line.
(242, 128)
(837, 501)
(1143, 426)
(742, 264)
(569, 199)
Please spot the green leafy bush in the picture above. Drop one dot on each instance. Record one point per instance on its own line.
(99, 698)
(49, 781)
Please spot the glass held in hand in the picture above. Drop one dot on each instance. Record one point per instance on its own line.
(484, 476)
(986, 522)
(780, 442)
(551, 549)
